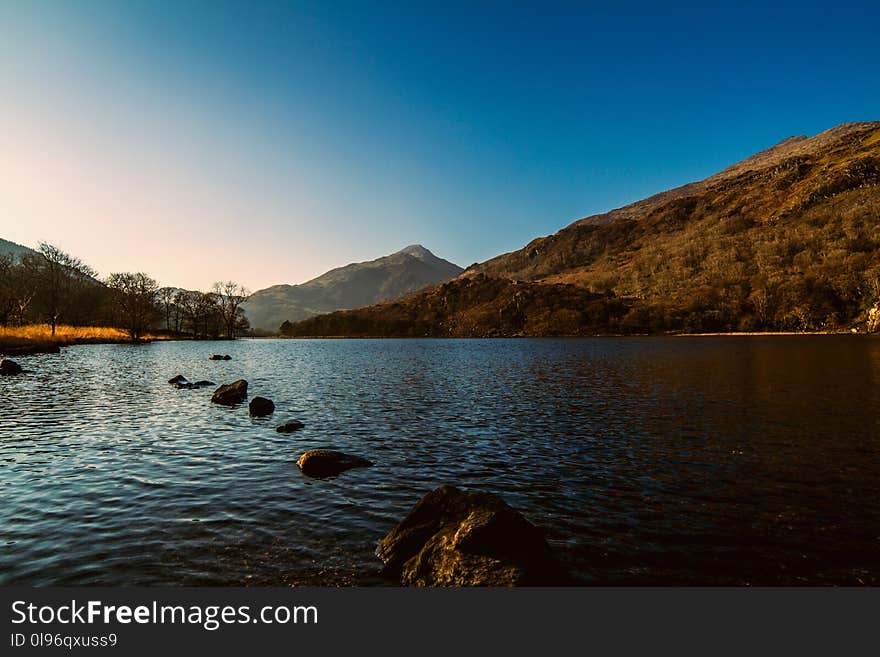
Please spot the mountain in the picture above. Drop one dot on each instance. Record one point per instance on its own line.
(13, 249)
(788, 239)
(352, 286)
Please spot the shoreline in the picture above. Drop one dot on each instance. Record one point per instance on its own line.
(561, 337)
(763, 333)
(26, 341)
(33, 346)
(28, 347)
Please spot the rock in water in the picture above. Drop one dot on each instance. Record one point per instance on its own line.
(328, 462)
(27, 350)
(289, 427)
(9, 367)
(220, 357)
(203, 384)
(180, 378)
(468, 538)
(261, 406)
(231, 393)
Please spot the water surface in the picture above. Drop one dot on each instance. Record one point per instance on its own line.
(722, 460)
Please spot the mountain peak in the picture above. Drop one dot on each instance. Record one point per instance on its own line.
(417, 251)
(357, 284)
(782, 241)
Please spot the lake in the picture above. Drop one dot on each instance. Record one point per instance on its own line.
(681, 460)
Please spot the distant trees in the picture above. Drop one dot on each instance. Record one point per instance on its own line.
(8, 300)
(135, 300)
(199, 314)
(55, 287)
(206, 319)
(229, 296)
(165, 298)
(18, 286)
(57, 280)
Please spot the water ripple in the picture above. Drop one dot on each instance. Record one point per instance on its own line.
(723, 460)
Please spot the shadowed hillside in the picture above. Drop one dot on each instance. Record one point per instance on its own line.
(478, 306)
(788, 239)
(358, 284)
(12, 249)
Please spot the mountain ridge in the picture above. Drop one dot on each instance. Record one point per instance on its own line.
(787, 239)
(350, 286)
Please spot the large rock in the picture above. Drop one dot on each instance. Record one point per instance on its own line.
(289, 427)
(9, 367)
(261, 406)
(231, 393)
(468, 538)
(328, 462)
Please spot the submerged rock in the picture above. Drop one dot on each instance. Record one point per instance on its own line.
(9, 367)
(180, 378)
(220, 357)
(231, 393)
(261, 406)
(328, 462)
(186, 385)
(468, 538)
(289, 427)
(28, 350)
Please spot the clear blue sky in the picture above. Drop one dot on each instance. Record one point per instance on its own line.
(268, 142)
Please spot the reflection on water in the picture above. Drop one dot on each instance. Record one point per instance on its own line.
(659, 460)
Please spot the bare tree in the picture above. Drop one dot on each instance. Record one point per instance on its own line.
(200, 313)
(210, 317)
(230, 296)
(183, 309)
(57, 275)
(8, 296)
(24, 287)
(166, 297)
(135, 298)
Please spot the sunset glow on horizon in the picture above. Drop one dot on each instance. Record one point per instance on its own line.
(211, 141)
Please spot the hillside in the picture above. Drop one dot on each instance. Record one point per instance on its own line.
(352, 286)
(788, 239)
(8, 248)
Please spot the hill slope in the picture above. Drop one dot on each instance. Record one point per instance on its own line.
(13, 249)
(788, 239)
(352, 286)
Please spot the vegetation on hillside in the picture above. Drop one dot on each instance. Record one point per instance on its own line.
(786, 241)
(476, 307)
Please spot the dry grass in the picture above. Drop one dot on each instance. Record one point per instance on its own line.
(41, 334)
